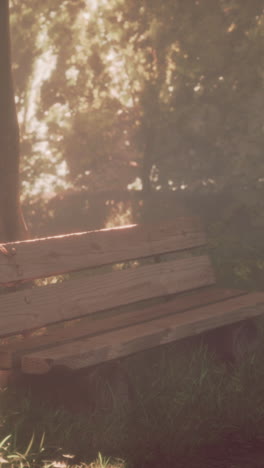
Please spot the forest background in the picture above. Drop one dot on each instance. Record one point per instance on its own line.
(143, 109)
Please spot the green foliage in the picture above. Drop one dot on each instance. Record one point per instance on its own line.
(184, 70)
(36, 456)
(9, 456)
(168, 94)
(184, 399)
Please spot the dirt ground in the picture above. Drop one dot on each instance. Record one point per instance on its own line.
(230, 454)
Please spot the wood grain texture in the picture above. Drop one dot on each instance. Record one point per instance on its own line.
(89, 326)
(127, 341)
(56, 255)
(24, 310)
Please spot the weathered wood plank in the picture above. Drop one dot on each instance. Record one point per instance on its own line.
(89, 326)
(38, 307)
(108, 346)
(56, 255)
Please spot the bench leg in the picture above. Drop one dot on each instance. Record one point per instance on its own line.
(6, 378)
(244, 339)
(234, 343)
(101, 388)
(112, 387)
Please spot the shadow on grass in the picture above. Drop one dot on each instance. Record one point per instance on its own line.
(183, 399)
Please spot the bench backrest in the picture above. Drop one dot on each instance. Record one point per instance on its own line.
(151, 275)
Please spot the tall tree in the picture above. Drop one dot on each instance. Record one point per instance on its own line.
(159, 95)
(11, 221)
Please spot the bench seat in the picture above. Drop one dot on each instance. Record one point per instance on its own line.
(123, 291)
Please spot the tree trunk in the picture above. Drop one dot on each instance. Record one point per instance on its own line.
(12, 226)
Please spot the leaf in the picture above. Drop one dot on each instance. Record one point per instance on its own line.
(29, 445)
(2, 443)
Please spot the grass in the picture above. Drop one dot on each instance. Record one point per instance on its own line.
(37, 456)
(184, 398)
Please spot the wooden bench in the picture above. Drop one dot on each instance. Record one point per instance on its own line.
(122, 290)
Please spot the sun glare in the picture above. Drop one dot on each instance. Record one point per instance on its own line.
(44, 66)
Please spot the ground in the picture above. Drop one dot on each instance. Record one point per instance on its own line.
(186, 409)
(230, 454)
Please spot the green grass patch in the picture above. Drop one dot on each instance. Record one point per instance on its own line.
(184, 398)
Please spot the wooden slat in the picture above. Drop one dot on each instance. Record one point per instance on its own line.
(56, 255)
(89, 326)
(37, 307)
(108, 346)
(40, 306)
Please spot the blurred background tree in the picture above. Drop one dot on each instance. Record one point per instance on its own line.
(11, 221)
(132, 109)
